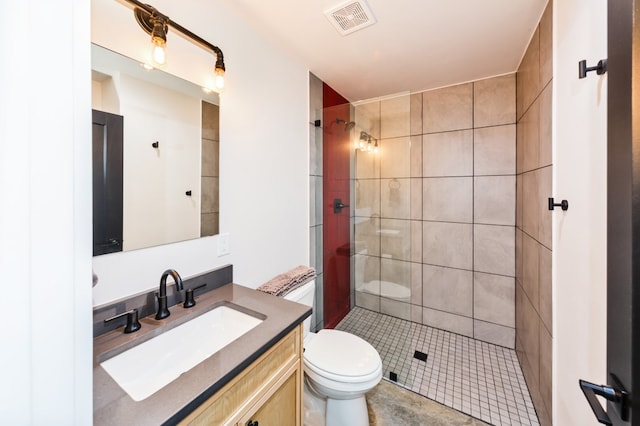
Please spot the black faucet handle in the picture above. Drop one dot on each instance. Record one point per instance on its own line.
(189, 301)
(132, 320)
(163, 310)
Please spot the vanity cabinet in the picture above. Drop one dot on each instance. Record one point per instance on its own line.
(267, 392)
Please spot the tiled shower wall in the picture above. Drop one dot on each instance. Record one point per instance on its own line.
(210, 206)
(315, 196)
(435, 209)
(533, 219)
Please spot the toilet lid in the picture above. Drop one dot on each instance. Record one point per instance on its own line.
(342, 354)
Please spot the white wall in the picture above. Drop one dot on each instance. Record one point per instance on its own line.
(155, 207)
(263, 150)
(45, 219)
(579, 235)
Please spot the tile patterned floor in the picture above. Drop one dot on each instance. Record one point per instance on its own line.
(474, 377)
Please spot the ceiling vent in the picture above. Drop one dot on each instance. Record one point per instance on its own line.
(350, 16)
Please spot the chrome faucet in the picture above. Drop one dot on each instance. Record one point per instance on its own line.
(163, 311)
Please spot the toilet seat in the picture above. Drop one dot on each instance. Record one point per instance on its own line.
(342, 357)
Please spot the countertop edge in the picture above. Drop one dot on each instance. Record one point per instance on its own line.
(180, 397)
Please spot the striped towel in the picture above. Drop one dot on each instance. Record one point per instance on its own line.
(286, 282)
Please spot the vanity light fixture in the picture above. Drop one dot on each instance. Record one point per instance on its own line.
(365, 143)
(363, 139)
(157, 25)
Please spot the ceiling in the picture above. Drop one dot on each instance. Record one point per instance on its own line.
(415, 45)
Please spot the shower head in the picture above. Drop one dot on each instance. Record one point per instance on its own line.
(347, 126)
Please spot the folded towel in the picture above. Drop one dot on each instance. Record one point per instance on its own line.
(288, 281)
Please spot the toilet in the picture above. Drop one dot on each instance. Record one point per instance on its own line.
(339, 368)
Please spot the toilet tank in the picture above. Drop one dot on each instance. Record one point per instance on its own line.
(304, 294)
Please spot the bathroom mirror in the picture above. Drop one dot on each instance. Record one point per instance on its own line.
(155, 156)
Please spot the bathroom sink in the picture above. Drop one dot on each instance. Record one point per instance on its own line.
(151, 365)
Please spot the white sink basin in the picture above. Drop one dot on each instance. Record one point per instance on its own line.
(149, 366)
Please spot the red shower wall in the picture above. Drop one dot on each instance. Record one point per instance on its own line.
(336, 240)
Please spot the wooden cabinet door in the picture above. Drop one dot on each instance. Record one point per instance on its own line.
(278, 406)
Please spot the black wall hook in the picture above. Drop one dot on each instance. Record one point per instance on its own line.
(564, 204)
(600, 69)
(156, 144)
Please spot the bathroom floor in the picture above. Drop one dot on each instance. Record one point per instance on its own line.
(477, 378)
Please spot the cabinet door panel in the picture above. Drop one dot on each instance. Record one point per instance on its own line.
(278, 406)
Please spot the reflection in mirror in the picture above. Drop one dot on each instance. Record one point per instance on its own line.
(155, 156)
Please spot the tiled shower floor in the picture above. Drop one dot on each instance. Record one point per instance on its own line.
(477, 378)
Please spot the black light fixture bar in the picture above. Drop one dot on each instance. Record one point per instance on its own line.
(196, 38)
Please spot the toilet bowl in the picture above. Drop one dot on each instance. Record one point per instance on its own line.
(339, 368)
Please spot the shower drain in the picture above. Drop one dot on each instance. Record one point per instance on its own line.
(420, 355)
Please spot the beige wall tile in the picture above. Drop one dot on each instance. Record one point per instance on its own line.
(367, 236)
(494, 101)
(519, 193)
(398, 274)
(519, 257)
(546, 360)
(394, 198)
(416, 198)
(416, 113)
(447, 289)
(494, 333)
(519, 146)
(395, 157)
(395, 118)
(367, 197)
(545, 287)
(209, 224)
(209, 196)
(210, 158)
(416, 286)
(416, 156)
(494, 150)
(494, 199)
(529, 335)
(210, 121)
(528, 76)
(416, 241)
(446, 321)
(367, 269)
(494, 299)
(448, 154)
(494, 249)
(530, 204)
(368, 301)
(416, 314)
(449, 108)
(367, 165)
(448, 199)
(531, 138)
(544, 179)
(395, 308)
(545, 136)
(447, 244)
(367, 118)
(530, 270)
(546, 45)
(394, 236)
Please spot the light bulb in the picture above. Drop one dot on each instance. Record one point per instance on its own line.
(219, 78)
(158, 55)
(159, 41)
(375, 148)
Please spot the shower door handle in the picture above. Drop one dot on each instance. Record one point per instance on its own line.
(616, 394)
(338, 206)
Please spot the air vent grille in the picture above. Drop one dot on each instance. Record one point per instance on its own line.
(351, 16)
